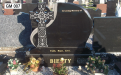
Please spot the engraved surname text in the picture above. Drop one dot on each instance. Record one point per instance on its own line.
(57, 60)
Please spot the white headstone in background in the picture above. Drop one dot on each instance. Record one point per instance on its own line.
(61, 1)
(118, 10)
(83, 1)
(102, 1)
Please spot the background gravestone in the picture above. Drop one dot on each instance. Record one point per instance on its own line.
(80, 2)
(26, 8)
(35, 1)
(1, 12)
(107, 36)
(71, 1)
(114, 0)
(111, 6)
(15, 30)
(94, 13)
(28, 1)
(95, 2)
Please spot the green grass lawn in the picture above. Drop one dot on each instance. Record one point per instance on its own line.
(94, 8)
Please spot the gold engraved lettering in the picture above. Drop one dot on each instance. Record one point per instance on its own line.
(69, 60)
(57, 60)
(71, 10)
(51, 60)
(65, 60)
(67, 51)
(60, 51)
(54, 60)
(52, 50)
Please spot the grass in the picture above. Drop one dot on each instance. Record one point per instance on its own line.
(94, 8)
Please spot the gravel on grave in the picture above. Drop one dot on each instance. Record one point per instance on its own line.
(72, 70)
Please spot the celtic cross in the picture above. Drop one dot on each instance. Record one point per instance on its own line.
(42, 16)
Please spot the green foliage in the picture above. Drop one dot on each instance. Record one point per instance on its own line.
(32, 61)
(13, 64)
(95, 64)
(59, 68)
(40, 1)
(94, 8)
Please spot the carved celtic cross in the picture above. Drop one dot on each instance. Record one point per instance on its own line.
(42, 16)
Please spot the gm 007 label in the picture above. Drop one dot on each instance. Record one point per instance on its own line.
(12, 6)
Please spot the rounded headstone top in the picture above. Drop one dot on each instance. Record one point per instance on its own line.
(71, 27)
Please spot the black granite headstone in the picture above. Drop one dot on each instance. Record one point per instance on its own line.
(66, 36)
(111, 6)
(107, 34)
(94, 13)
(35, 1)
(66, 30)
(95, 2)
(114, 0)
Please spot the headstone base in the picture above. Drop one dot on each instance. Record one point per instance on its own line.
(71, 59)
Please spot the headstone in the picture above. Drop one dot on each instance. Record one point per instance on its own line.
(118, 10)
(83, 1)
(107, 34)
(102, 7)
(35, 1)
(20, 1)
(114, 0)
(80, 2)
(12, 1)
(61, 1)
(1, 12)
(26, 8)
(15, 30)
(95, 2)
(28, 1)
(111, 6)
(71, 1)
(65, 36)
(102, 1)
(32, 1)
(94, 13)
(50, 4)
